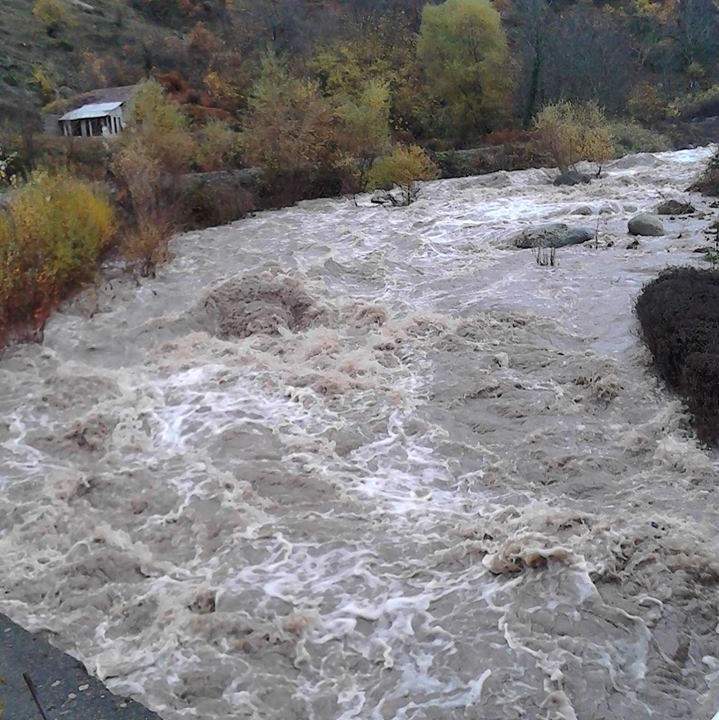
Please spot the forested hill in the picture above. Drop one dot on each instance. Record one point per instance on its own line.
(453, 73)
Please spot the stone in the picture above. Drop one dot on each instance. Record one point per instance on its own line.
(572, 177)
(393, 197)
(675, 207)
(552, 235)
(646, 224)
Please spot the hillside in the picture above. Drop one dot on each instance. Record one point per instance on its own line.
(64, 60)
(649, 61)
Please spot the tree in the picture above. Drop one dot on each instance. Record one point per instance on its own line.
(463, 50)
(403, 168)
(363, 131)
(158, 123)
(289, 128)
(577, 52)
(571, 132)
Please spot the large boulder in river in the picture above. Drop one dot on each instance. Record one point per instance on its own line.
(674, 207)
(572, 177)
(552, 235)
(646, 224)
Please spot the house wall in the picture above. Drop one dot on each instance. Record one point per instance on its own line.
(103, 126)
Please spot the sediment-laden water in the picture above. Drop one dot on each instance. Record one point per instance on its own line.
(355, 462)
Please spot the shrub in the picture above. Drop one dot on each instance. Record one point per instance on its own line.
(404, 167)
(44, 84)
(679, 316)
(708, 181)
(145, 246)
(152, 218)
(698, 105)
(51, 237)
(646, 105)
(217, 146)
(216, 204)
(629, 137)
(52, 14)
(571, 132)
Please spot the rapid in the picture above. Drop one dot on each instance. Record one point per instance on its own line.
(346, 461)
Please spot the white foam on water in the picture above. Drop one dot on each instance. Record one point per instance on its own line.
(425, 478)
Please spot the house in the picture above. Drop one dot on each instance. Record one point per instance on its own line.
(93, 119)
(99, 113)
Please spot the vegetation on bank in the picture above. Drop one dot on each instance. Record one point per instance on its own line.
(327, 98)
(679, 317)
(52, 235)
(708, 181)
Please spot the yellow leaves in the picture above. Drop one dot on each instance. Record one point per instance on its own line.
(571, 132)
(222, 92)
(216, 146)
(54, 231)
(364, 121)
(406, 164)
(660, 10)
(150, 110)
(41, 79)
(159, 126)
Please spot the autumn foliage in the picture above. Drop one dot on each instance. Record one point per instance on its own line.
(55, 229)
(571, 132)
(403, 168)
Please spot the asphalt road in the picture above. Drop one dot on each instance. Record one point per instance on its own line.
(62, 685)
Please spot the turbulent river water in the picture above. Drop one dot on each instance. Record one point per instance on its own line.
(344, 461)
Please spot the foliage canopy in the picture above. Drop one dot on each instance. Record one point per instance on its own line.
(571, 132)
(463, 49)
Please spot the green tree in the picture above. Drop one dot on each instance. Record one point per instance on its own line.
(158, 124)
(363, 131)
(463, 50)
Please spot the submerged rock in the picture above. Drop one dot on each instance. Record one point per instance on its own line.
(572, 177)
(393, 197)
(552, 235)
(646, 224)
(258, 304)
(675, 207)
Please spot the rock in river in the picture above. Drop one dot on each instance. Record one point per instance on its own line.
(554, 235)
(646, 224)
(675, 207)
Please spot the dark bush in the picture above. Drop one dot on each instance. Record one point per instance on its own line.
(679, 316)
(207, 206)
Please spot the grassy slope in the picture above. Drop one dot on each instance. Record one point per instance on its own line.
(24, 44)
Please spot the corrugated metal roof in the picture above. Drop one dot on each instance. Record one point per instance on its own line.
(92, 110)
